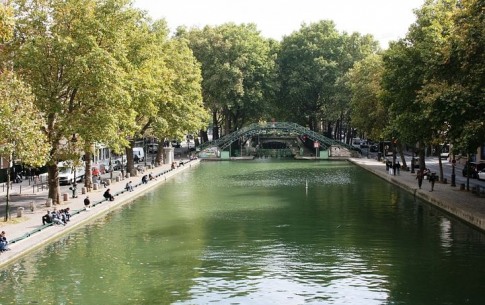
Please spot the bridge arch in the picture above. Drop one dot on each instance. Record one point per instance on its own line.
(329, 148)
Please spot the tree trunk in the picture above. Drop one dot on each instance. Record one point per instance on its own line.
(159, 156)
(203, 136)
(130, 163)
(7, 198)
(215, 126)
(53, 181)
(88, 175)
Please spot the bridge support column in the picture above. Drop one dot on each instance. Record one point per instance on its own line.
(324, 154)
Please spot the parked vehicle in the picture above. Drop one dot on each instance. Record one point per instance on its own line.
(374, 148)
(474, 169)
(152, 148)
(118, 164)
(356, 142)
(481, 175)
(68, 174)
(138, 154)
(445, 151)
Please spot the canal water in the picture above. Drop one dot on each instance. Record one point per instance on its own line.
(260, 232)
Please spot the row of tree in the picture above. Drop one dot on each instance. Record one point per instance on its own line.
(101, 70)
(427, 88)
(94, 71)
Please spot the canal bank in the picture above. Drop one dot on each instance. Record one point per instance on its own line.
(27, 234)
(467, 206)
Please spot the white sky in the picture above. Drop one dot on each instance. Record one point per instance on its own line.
(386, 20)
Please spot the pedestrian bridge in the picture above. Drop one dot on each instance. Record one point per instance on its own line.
(246, 142)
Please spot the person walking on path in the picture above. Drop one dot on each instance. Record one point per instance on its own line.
(432, 180)
(419, 176)
(87, 202)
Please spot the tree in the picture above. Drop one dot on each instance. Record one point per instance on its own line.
(237, 72)
(166, 82)
(312, 63)
(368, 114)
(72, 55)
(20, 126)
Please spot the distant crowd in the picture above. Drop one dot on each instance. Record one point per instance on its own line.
(59, 217)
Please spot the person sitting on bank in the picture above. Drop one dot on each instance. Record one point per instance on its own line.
(144, 179)
(56, 218)
(151, 177)
(108, 195)
(3, 242)
(129, 187)
(46, 218)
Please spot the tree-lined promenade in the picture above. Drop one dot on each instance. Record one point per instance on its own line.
(100, 71)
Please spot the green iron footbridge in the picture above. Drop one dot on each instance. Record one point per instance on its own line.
(327, 147)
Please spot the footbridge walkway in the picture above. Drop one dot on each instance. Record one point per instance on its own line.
(328, 148)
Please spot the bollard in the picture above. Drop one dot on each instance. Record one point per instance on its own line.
(108, 182)
(462, 187)
(65, 196)
(127, 175)
(20, 211)
(48, 202)
(32, 206)
(95, 186)
(84, 190)
(118, 179)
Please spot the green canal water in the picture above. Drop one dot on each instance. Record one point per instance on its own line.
(260, 232)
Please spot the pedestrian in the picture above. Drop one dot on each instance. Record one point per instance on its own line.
(46, 218)
(108, 195)
(419, 177)
(398, 167)
(432, 179)
(129, 187)
(3, 242)
(87, 203)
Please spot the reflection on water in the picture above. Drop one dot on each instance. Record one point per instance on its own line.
(261, 232)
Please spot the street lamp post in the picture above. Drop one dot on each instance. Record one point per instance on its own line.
(453, 176)
(110, 168)
(412, 161)
(74, 182)
(146, 150)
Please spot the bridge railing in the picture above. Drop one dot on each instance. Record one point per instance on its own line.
(269, 127)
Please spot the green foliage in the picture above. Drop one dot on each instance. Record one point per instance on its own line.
(20, 123)
(368, 114)
(6, 22)
(312, 63)
(237, 70)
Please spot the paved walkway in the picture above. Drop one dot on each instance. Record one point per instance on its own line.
(27, 232)
(466, 205)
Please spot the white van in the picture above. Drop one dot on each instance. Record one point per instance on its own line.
(138, 154)
(67, 175)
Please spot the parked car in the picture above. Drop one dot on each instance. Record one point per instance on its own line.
(118, 164)
(374, 148)
(67, 174)
(481, 175)
(138, 154)
(475, 168)
(152, 148)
